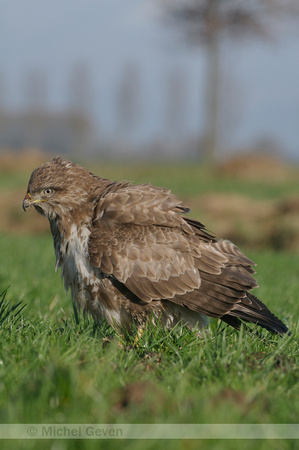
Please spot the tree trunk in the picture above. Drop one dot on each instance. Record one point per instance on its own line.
(212, 82)
(210, 150)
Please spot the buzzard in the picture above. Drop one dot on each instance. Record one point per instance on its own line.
(129, 254)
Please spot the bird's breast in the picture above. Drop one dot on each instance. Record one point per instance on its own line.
(74, 260)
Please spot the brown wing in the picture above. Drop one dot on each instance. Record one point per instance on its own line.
(140, 238)
(139, 205)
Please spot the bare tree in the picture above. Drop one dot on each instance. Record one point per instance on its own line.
(36, 90)
(80, 107)
(3, 92)
(80, 95)
(206, 22)
(128, 105)
(176, 99)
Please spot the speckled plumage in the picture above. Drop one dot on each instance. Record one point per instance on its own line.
(127, 253)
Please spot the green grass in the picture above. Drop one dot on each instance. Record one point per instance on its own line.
(53, 370)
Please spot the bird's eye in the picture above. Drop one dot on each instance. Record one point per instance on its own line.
(48, 191)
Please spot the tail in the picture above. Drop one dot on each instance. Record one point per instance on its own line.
(252, 310)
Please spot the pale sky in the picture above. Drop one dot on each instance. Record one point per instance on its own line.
(260, 79)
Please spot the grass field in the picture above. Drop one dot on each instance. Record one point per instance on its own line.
(54, 370)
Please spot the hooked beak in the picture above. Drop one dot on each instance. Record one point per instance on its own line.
(27, 201)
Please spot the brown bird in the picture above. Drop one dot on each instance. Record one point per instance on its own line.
(129, 255)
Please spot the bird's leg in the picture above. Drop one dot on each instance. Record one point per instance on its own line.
(140, 331)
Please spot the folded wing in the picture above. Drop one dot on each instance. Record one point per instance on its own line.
(140, 238)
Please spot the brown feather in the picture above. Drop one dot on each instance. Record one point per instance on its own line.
(126, 251)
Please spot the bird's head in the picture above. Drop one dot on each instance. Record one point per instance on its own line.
(58, 187)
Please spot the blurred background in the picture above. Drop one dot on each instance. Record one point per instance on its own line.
(176, 86)
(184, 79)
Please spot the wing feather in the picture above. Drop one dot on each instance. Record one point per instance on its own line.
(140, 238)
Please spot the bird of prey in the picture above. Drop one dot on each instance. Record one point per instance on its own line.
(129, 254)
